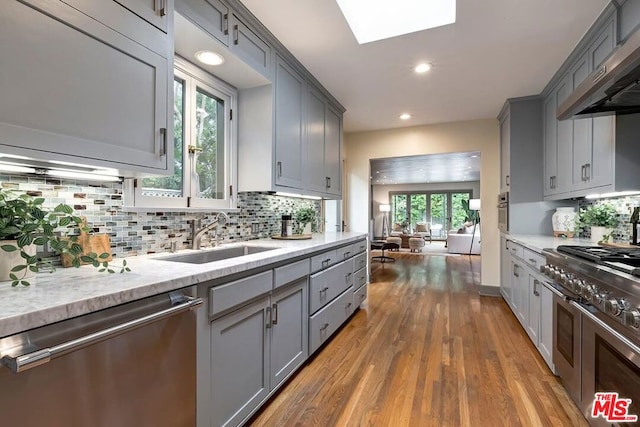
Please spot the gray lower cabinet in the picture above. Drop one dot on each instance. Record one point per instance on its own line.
(505, 276)
(239, 363)
(324, 323)
(545, 344)
(533, 314)
(96, 93)
(289, 329)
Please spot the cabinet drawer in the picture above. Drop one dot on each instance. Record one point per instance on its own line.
(229, 295)
(534, 259)
(360, 246)
(359, 278)
(325, 322)
(359, 295)
(328, 284)
(360, 261)
(345, 252)
(515, 249)
(290, 272)
(323, 260)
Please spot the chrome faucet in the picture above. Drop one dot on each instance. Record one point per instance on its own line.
(197, 234)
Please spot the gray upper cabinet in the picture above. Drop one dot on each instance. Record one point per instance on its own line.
(289, 129)
(154, 12)
(316, 136)
(505, 156)
(89, 94)
(333, 149)
(210, 15)
(628, 17)
(550, 145)
(603, 45)
(249, 47)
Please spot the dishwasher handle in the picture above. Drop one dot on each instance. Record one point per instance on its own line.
(30, 360)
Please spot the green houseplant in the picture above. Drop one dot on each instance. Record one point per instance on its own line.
(303, 216)
(25, 223)
(602, 218)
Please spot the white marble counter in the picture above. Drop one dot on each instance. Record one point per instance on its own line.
(73, 292)
(537, 242)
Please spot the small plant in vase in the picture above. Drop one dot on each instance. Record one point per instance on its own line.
(303, 216)
(602, 218)
(25, 223)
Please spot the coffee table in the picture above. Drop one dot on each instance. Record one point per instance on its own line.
(383, 246)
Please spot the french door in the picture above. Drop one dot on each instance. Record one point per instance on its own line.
(443, 209)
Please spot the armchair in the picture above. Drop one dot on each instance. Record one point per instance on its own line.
(423, 229)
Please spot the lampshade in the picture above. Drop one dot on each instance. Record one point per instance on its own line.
(385, 208)
(474, 204)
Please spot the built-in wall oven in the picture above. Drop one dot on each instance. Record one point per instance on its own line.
(503, 212)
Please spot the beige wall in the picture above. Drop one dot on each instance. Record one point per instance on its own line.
(474, 135)
(381, 195)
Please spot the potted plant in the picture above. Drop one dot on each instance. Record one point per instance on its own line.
(304, 216)
(25, 223)
(602, 218)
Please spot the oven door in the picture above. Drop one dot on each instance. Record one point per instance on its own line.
(610, 363)
(566, 342)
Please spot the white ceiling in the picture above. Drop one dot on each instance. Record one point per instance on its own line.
(497, 49)
(431, 168)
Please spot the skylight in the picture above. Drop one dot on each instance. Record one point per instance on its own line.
(372, 20)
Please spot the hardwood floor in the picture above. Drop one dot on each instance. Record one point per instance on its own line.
(425, 350)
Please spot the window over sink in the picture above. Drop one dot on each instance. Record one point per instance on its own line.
(204, 170)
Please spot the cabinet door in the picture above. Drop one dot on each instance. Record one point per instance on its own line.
(505, 153)
(289, 130)
(250, 47)
(290, 326)
(600, 169)
(533, 314)
(514, 277)
(582, 130)
(545, 344)
(565, 140)
(210, 15)
(603, 45)
(316, 134)
(523, 294)
(332, 155)
(88, 94)
(239, 363)
(505, 276)
(155, 12)
(550, 145)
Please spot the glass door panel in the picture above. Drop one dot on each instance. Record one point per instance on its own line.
(458, 212)
(439, 214)
(398, 209)
(418, 208)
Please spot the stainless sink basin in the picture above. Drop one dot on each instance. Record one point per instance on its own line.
(217, 254)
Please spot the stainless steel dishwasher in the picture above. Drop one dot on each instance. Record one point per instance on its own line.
(130, 365)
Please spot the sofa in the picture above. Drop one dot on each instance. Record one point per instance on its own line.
(459, 241)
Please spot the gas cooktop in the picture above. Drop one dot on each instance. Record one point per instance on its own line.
(622, 259)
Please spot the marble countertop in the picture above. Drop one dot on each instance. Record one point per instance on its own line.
(537, 242)
(71, 292)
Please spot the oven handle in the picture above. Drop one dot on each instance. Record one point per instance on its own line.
(607, 328)
(556, 291)
(30, 360)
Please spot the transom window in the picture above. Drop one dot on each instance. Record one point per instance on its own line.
(204, 148)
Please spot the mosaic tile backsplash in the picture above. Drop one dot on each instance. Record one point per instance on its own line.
(624, 206)
(139, 233)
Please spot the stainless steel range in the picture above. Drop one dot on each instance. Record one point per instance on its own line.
(596, 325)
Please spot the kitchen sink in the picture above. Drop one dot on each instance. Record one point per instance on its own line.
(217, 254)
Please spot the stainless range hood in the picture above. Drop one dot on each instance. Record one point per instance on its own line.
(613, 88)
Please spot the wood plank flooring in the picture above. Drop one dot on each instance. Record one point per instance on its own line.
(425, 350)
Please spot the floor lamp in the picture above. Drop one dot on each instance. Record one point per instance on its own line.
(474, 205)
(385, 209)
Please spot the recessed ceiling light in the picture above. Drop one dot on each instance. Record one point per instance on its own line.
(372, 20)
(209, 58)
(422, 68)
(474, 156)
(405, 116)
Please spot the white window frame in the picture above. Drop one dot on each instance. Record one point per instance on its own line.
(193, 78)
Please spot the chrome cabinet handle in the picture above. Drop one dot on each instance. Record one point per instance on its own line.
(515, 270)
(326, 262)
(226, 23)
(533, 261)
(323, 327)
(162, 149)
(536, 284)
(235, 34)
(587, 172)
(347, 254)
(325, 289)
(328, 184)
(507, 180)
(274, 310)
(163, 8)
(30, 360)
(279, 165)
(269, 318)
